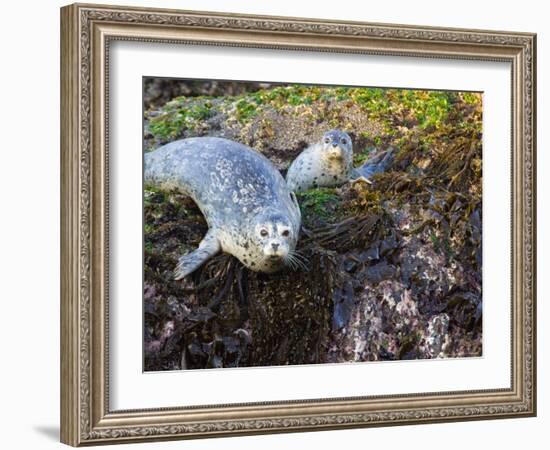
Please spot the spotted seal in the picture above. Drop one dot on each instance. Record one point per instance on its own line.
(250, 212)
(329, 163)
(326, 163)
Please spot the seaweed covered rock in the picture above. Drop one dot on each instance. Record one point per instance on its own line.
(389, 271)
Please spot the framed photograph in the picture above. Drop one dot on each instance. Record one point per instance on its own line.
(281, 224)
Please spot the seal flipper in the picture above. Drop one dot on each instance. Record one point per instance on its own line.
(187, 264)
(357, 176)
(372, 166)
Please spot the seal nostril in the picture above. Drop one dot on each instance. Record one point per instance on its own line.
(275, 246)
(335, 144)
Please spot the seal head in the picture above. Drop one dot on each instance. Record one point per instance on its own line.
(337, 146)
(265, 243)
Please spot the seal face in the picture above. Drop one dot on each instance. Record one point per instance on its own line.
(324, 164)
(250, 211)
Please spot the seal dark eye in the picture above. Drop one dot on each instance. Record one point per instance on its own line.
(344, 141)
(327, 140)
(263, 233)
(286, 233)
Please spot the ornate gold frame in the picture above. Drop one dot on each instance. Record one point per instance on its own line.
(86, 31)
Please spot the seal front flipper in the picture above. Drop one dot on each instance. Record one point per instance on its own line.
(187, 264)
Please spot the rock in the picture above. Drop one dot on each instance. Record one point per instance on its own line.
(393, 269)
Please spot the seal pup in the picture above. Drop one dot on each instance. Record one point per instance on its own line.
(329, 163)
(250, 211)
(326, 163)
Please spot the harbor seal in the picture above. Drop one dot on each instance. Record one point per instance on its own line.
(329, 163)
(250, 212)
(326, 163)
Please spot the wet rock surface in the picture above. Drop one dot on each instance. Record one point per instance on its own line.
(393, 269)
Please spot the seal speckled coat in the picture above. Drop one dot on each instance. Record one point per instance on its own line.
(250, 211)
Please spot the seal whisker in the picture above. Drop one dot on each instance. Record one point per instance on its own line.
(298, 262)
(298, 265)
(301, 258)
(290, 262)
(295, 263)
(298, 255)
